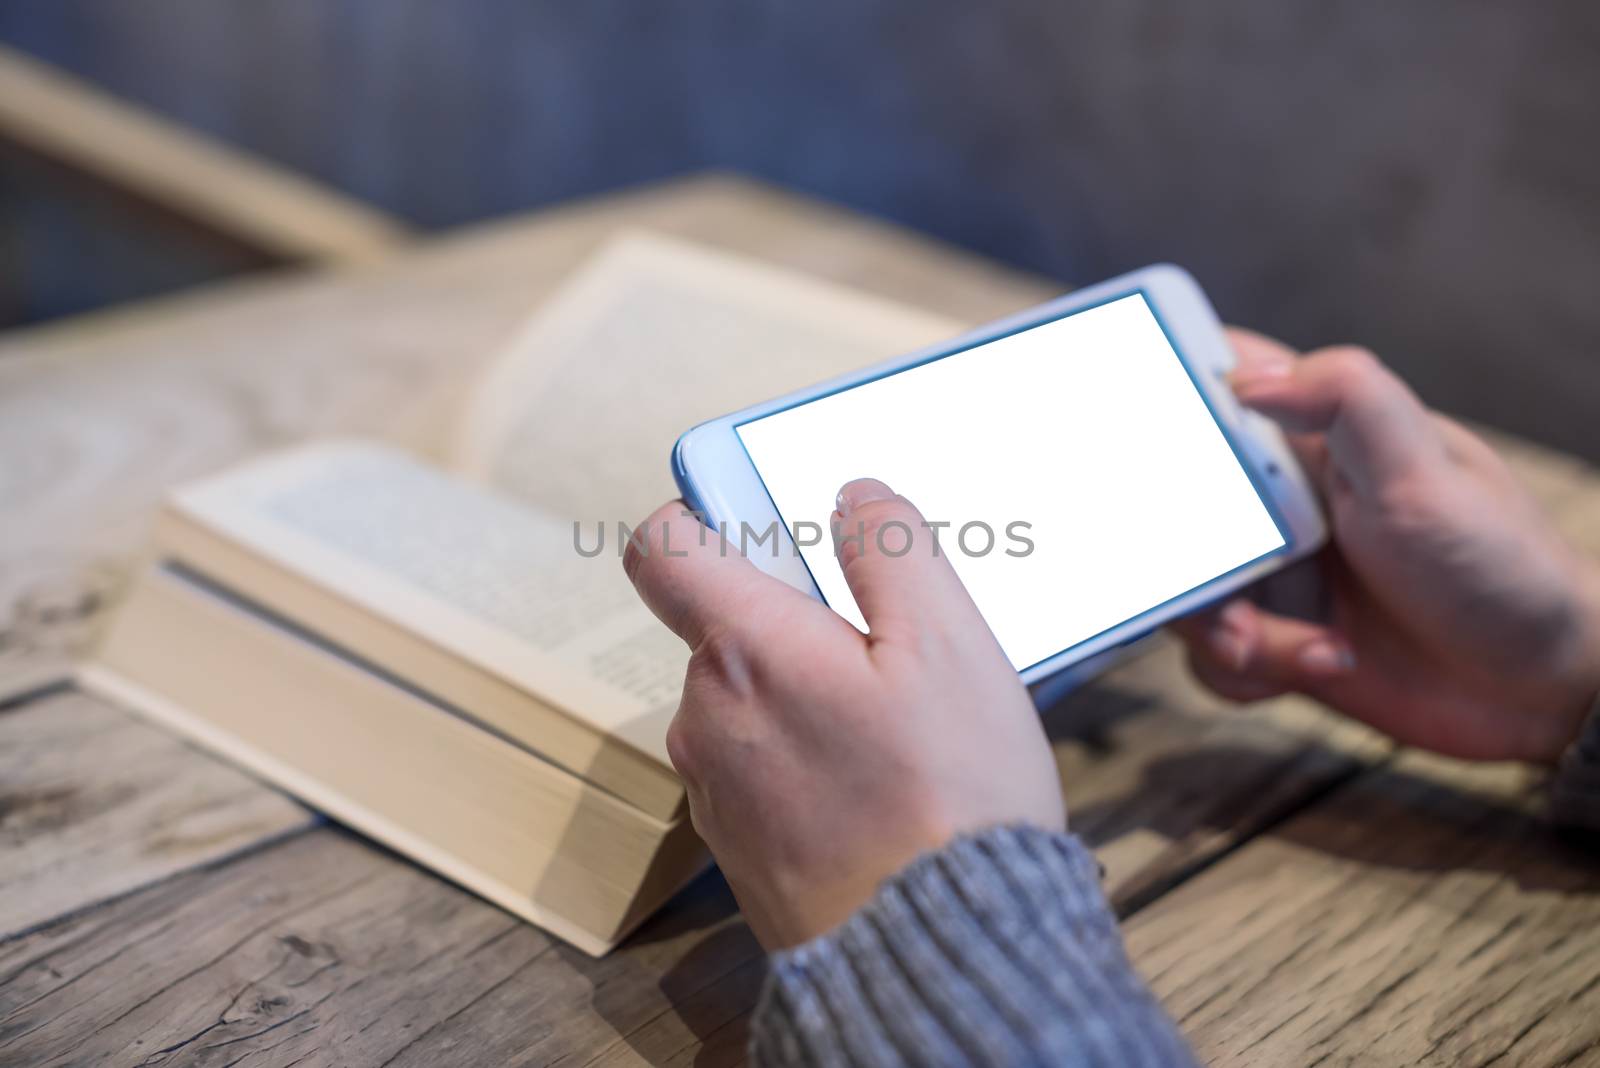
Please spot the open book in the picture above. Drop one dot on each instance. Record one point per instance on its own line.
(424, 653)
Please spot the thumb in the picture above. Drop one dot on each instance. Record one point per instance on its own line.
(1374, 427)
(900, 575)
(694, 580)
(1246, 653)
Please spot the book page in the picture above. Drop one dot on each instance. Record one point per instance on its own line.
(495, 581)
(653, 336)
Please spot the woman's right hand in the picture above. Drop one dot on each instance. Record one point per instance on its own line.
(1461, 622)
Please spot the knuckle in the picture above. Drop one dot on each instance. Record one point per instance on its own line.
(887, 510)
(889, 524)
(848, 552)
(1416, 504)
(1357, 357)
(683, 746)
(1355, 367)
(721, 658)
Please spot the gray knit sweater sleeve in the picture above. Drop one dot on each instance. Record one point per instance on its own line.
(998, 949)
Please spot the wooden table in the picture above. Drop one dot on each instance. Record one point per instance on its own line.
(1297, 891)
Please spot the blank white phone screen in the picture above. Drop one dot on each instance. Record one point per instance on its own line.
(1082, 476)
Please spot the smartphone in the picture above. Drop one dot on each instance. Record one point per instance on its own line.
(1083, 464)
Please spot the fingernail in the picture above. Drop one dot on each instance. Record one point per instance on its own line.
(1324, 657)
(859, 492)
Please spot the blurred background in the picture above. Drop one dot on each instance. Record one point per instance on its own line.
(1423, 178)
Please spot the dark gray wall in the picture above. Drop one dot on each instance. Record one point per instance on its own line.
(1423, 177)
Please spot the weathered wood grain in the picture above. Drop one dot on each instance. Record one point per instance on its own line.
(1420, 915)
(322, 949)
(1160, 777)
(26, 674)
(49, 624)
(94, 803)
(325, 951)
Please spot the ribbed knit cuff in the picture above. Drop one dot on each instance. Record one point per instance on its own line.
(998, 949)
(1575, 789)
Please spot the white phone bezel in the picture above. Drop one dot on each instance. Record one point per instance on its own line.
(717, 478)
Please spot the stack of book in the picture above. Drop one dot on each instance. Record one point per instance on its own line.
(433, 653)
